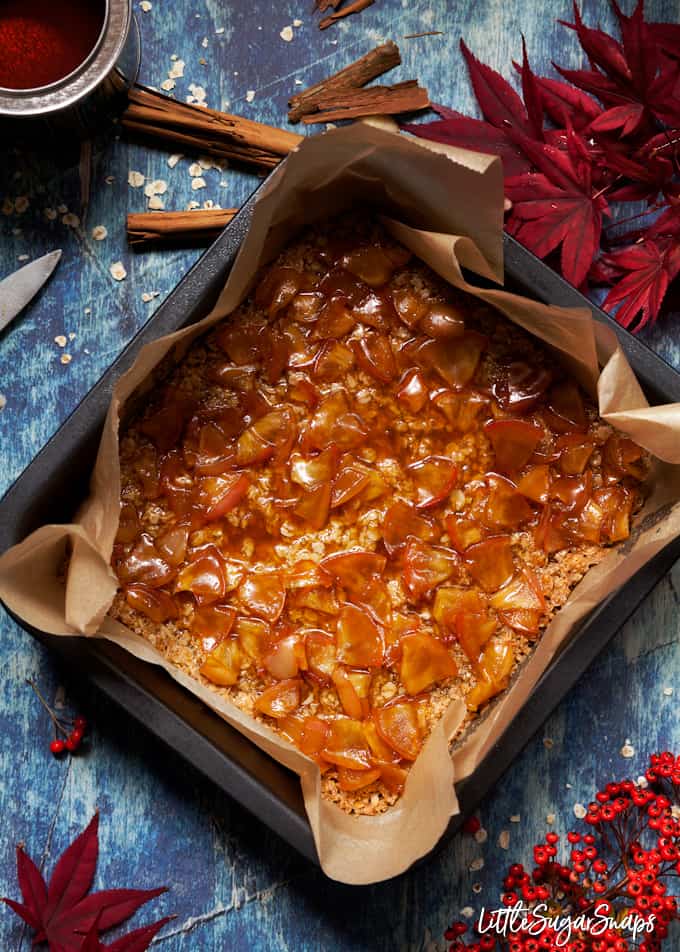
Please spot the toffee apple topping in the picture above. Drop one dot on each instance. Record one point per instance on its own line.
(359, 497)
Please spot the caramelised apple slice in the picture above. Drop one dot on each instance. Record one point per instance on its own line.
(399, 726)
(434, 477)
(513, 442)
(426, 566)
(424, 662)
(490, 562)
(359, 639)
(280, 699)
(223, 664)
(346, 745)
(154, 603)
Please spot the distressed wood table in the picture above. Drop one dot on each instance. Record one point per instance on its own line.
(234, 885)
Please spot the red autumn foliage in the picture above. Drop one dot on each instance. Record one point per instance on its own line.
(623, 868)
(576, 149)
(62, 913)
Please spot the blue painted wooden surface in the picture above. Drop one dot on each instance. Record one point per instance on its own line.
(233, 884)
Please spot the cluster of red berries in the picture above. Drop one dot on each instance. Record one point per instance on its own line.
(74, 737)
(73, 732)
(618, 869)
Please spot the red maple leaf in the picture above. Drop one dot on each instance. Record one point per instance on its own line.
(648, 268)
(557, 206)
(61, 912)
(504, 114)
(467, 133)
(633, 78)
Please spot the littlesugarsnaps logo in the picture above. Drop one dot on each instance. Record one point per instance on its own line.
(535, 921)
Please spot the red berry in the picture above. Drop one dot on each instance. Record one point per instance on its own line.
(76, 734)
(57, 747)
(472, 825)
(73, 742)
(80, 724)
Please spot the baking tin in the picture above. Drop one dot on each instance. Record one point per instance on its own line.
(94, 90)
(54, 484)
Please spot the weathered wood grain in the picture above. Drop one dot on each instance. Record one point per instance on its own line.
(234, 884)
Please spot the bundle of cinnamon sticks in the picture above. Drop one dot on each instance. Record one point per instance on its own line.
(344, 95)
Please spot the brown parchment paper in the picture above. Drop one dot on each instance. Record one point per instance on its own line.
(447, 206)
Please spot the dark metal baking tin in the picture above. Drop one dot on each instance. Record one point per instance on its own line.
(53, 485)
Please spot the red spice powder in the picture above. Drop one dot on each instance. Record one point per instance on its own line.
(42, 41)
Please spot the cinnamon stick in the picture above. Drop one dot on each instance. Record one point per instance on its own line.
(374, 101)
(198, 227)
(356, 7)
(357, 74)
(152, 115)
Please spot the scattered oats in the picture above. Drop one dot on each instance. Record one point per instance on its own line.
(168, 84)
(668, 692)
(3, 401)
(7, 206)
(627, 750)
(195, 170)
(204, 42)
(66, 358)
(330, 125)
(192, 205)
(219, 31)
(476, 888)
(250, 95)
(297, 22)
(202, 62)
(223, 183)
(156, 203)
(548, 743)
(476, 864)
(198, 92)
(62, 209)
(504, 839)
(23, 257)
(87, 311)
(481, 835)
(174, 159)
(174, 56)
(157, 187)
(205, 162)
(642, 781)
(110, 179)
(86, 351)
(579, 811)
(550, 819)
(71, 220)
(176, 71)
(149, 296)
(197, 183)
(298, 82)
(675, 811)
(208, 204)
(568, 786)
(235, 72)
(50, 214)
(21, 204)
(99, 232)
(467, 912)
(71, 335)
(60, 340)
(145, 5)
(135, 179)
(515, 818)
(286, 33)
(118, 272)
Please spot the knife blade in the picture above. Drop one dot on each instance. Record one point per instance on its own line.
(18, 289)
